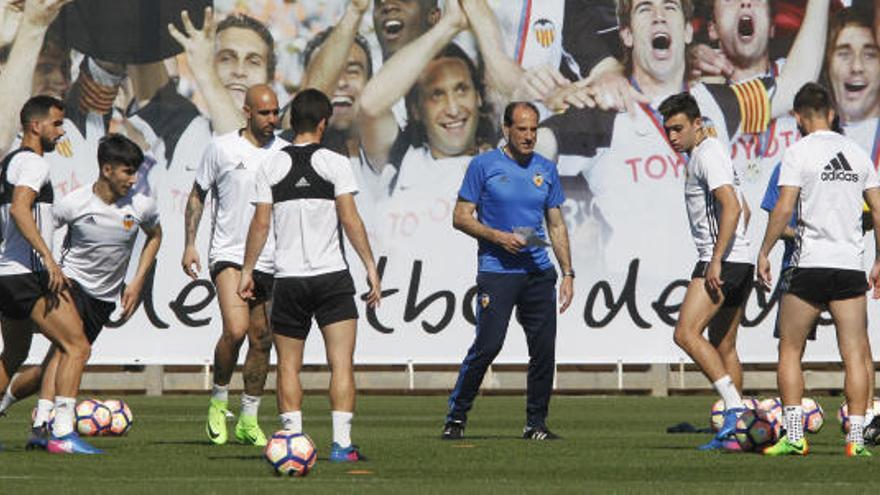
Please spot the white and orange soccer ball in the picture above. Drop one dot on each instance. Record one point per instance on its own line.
(814, 416)
(92, 418)
(121, 417)
(716, 415)
(291, 454)
(754, 430)
(843, 414)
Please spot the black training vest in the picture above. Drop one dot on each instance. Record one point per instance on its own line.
(45, 195)
(301, 181)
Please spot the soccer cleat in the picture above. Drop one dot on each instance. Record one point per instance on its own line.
(216, 426)
(453, 430)
(786, 447)
(39, 439)
(348, 454)
(70, 444)
(248, 432)
(725, 433)
(539, 433)
(855, 450)
(872, 431)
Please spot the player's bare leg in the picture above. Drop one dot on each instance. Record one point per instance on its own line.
(235, 315)
(288, 385)
(850, 318)
(723, 331)
(256, 367)
(339, 343)
(17, 337)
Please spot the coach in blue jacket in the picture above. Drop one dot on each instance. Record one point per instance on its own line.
(513, 191)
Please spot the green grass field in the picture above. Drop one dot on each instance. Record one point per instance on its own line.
(610, 445)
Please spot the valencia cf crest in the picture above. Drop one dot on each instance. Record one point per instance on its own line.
(128, 222)
(545, 31)
(538, 179)
(484, 300)
(64, 148)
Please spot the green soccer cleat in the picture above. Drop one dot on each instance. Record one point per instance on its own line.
(786, 447)
(855, 450)
(248, 432)
(216, 426)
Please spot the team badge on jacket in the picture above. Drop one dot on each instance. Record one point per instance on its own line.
(538, 179)
(484, 300)
(128, 222)
(545, 31)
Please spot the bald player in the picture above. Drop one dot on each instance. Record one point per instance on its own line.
(227, 169)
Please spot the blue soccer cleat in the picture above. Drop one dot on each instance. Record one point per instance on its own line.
(347, 454)
(39, 438)
(70, 444)
(726, 431)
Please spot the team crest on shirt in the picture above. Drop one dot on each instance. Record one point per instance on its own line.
(538, 179)
(484, 300)
(545, 31)
(128, 222)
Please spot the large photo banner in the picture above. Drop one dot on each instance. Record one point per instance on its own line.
(418, 89)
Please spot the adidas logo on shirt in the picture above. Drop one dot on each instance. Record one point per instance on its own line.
(839, 169)
(91, 220)
(302, 182)
(240, 166)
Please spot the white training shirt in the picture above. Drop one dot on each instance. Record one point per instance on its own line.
(708, 169)
(228, 169)
(307, 238)
(17, 256)
(100, 238)
(832, 172)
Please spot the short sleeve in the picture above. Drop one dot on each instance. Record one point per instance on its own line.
(207, 171)
(555, 196)
(343, 179)
(789, 173)
(262, 192)
(150, 213)
(771, 195)
(871, 181)
(745, 105)
(717, 169)
(30, 171)
(472, 184)
(64, 210)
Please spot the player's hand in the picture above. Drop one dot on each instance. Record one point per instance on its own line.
(566, 293)
(713, 277)
(10, 18)
(197, 43)
(57, 280)
(705, 61)
(455, 16)
(246, 285)
(874, 280)
(541, 83)
(42, 12)
(765, 278)
(510, 242)
(375, 295)
(131, 296)
(611, 90)
(190, 263)
(360, 6)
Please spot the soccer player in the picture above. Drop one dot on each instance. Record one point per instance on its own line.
(825, 175)
(722, 278)
(228, 169)
(102, 222)
(32, 285)
(513, 191)
(306, 191)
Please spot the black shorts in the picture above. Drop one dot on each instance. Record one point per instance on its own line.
(329, 298)
(779, 287)
(19, 293)
(263, 281)
(738, 280)
(93, 312)
(823, 285)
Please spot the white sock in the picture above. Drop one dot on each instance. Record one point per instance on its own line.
(8, 400)
(64, 414)
(292, 421)
(220, 392)
(794, 422)
(44, 409)
(342, 427)
(250, 404)
(856, 430)
(727, 390)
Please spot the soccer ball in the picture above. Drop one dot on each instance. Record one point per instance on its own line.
(92, 417)
(716, 415)
(814, 416)
(754, 430)
(291, 453)
(751, 403)
(843, 417)
(121, 417)
(773, 407)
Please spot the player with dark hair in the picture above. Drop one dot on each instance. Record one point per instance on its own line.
(824, 176)
(506, 197)
(228, 169)
(305, 193)
(102, 225)
(399, 22)
(722, 278)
